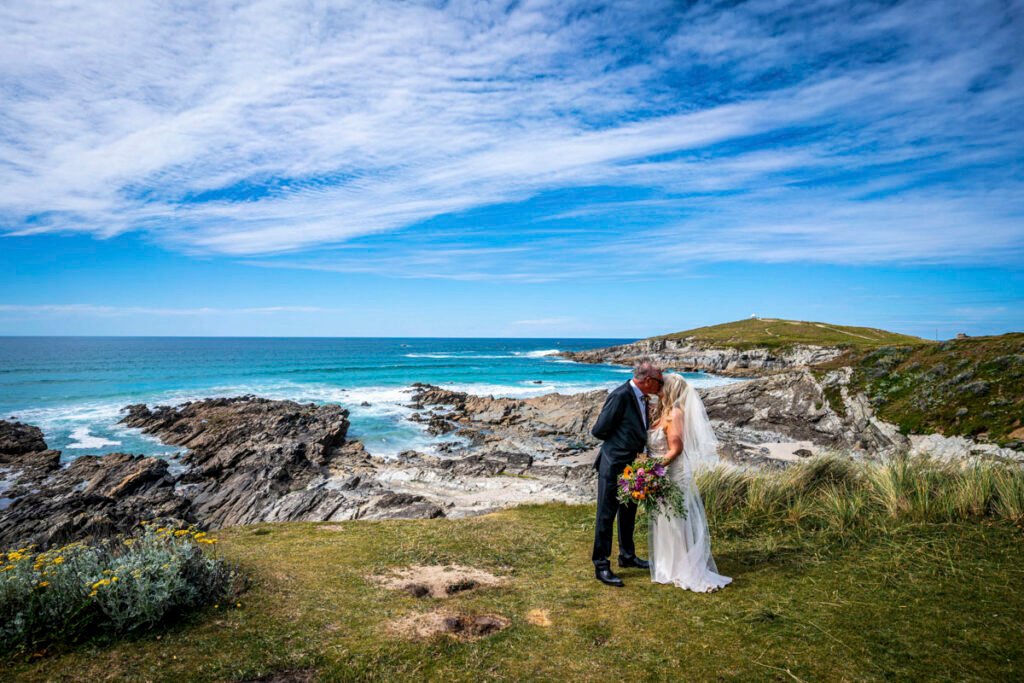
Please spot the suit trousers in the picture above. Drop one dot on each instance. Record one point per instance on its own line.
(608, 508)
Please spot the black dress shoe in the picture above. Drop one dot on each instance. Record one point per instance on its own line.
(604, 575)
(633, 561)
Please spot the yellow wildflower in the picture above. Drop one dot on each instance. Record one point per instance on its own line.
(114, 579)
(238, 604)
(58, 560)
(93, 594)
(44, 584)
(180, 532)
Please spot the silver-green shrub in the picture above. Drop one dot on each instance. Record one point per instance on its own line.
(113, 587)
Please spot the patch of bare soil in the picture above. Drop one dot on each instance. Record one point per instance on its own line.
(446, 623)
(539, 617)
(438, 581)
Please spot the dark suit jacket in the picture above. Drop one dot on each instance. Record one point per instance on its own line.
(621, 427)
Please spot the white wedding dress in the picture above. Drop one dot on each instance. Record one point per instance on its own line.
(680, 548)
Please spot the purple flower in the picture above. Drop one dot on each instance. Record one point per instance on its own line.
(659, 470)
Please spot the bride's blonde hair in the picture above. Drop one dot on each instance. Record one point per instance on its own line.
(672, 394)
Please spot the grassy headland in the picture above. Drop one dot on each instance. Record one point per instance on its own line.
(777, 333)
(841, 572)
(968, 387)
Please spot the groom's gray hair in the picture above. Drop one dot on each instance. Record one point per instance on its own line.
(645, 368)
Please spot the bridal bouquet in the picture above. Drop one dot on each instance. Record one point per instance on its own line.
(646, 483)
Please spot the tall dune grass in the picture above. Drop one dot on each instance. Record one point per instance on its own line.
(836, 493)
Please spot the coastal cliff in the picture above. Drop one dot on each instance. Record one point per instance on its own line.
(747, 348)
(695, 356)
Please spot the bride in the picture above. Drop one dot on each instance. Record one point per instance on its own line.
(680, 548)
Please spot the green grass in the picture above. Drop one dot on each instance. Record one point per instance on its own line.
(968, 387)
(909, 572)
(776, 333)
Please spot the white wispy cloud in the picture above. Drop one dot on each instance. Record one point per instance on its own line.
(774, 131)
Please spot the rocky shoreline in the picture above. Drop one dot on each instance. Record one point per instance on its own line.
(689, 356)
(250, 459)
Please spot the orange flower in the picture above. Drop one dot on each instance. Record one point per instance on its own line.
(636, 495)
(628, 472)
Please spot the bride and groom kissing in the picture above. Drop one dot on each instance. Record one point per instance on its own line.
(677, 431)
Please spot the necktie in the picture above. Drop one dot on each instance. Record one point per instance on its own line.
(647, 410)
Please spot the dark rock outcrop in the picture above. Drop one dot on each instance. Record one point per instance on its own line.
(18, 440)
(252, 459)
(248, 460)
(552, 426)
(93, 496)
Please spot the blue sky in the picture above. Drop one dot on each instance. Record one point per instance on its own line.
(533, 169)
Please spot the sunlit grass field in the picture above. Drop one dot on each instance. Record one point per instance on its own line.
(842, 572)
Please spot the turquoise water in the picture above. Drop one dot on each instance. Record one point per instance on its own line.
(75, 388)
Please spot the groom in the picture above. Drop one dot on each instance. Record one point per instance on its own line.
(622, 426)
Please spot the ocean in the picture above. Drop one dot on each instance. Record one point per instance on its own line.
(75, 388)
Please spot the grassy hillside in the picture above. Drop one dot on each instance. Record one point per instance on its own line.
(828, 586)
(774, 333)
(969, 387)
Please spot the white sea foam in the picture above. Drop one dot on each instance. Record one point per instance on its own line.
(526, 389)
(382, 424)
(537, 354)
(83, 439)
(89, 413)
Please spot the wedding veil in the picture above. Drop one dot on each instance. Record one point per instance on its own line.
(700, 445)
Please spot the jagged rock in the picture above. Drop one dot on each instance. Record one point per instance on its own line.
(688, 356)
(93, 496)
(549, 426)
(394, 505)
(959, 448)
(252, 459)
(795, 404)
(18, 440)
